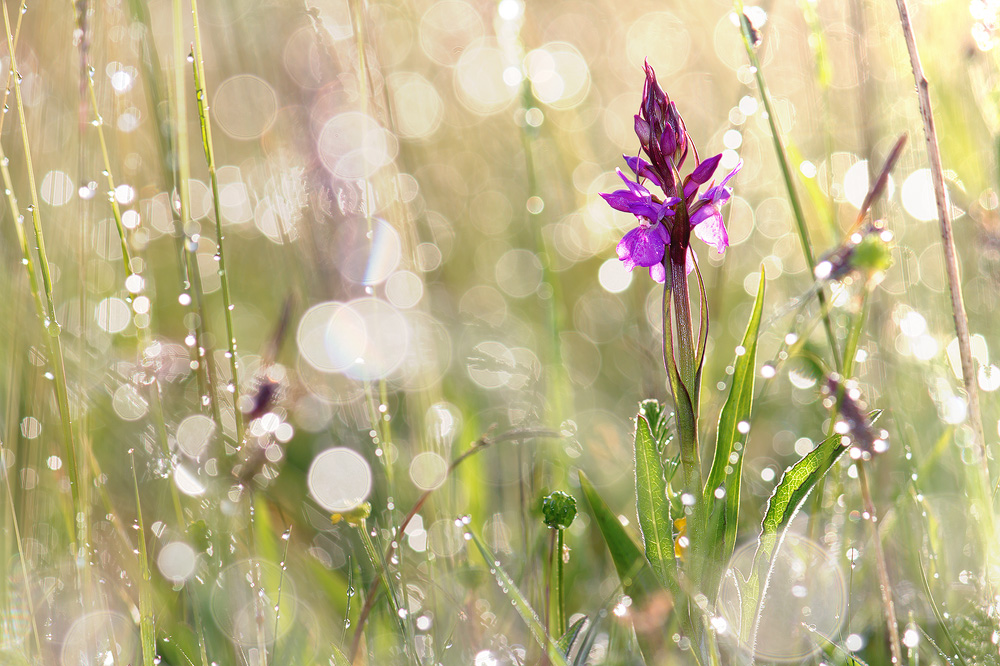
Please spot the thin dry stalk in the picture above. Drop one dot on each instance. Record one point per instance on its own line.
(947, 235)
(885, 587)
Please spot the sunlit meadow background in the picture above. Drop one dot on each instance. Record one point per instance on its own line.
(415, 186)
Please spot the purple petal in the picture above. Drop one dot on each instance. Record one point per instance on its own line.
(704, 171)
(643, 131)
(736, 170)
(711, 229)
(643, 246)
(668, 142)
(690, 189)
(620, 200)
(642, 169)
(635, 188)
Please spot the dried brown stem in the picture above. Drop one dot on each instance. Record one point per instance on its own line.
(885, 588)
(947, 236)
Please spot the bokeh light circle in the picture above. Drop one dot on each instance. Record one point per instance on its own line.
(245, 106)
(418, 106)
(353, 145)
(404, 289)
(100, 638)
(194, 434)
(57, 188)
(479, 79)
(428, 470)
(447, 28)
(806, 597)
(661, 38)
(177, 561)
(559, 74)
(613, 276)
(248, 589)
(366, 256)
(339, 479)
(113, 314)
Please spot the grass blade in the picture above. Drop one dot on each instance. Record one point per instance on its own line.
(146, 628)
(565, 642)
(521, 605)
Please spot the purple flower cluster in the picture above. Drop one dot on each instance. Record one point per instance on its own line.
(668, 222)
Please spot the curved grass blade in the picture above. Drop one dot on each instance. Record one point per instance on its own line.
(521, 605)
(566, 641)
(787, 498)
(723, 514)
(638, 580)
(147, 630)
(653, 506)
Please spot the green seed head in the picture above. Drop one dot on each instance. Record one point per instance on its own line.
(559, 510)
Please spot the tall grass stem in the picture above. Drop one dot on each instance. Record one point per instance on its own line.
(786, 173)
(51, 324)
(201, 94)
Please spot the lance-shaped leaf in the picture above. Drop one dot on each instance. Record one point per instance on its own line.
(722, 490)
(653, 506)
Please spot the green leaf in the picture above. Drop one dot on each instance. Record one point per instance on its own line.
(521, 605)
(338, 658)
(659, 423)
(723, 514)
(787, 498)
(653, 506)
(637, 578)
(565, 642)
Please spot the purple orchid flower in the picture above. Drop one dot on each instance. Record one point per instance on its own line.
(665, 143)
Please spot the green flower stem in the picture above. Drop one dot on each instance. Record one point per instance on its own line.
(201, 93)
(683, 366)
(558, 623)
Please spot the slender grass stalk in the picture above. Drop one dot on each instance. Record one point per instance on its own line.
(13, 378)
(484, 442)
(959, 315)
(201, 354)
(51, 324)
(201, 94)
(116, 211)
(143, 332)
(147, 629)
(286, 536)
(786, 172)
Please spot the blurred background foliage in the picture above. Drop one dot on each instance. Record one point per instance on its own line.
(415, 185)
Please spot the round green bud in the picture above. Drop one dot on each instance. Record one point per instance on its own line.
(559, 510)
